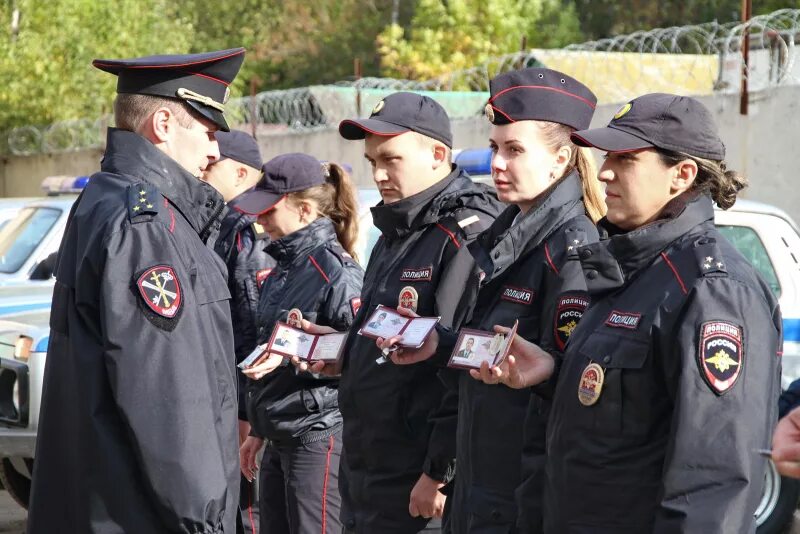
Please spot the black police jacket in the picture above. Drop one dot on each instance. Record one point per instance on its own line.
(532, 274)
(394, 427)
(315, 275)
(241, 247)
(137, 431)
(669, 385)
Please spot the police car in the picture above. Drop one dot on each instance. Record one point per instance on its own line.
(34, 233)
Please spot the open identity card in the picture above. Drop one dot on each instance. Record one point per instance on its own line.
(290, 341)
(477, 346)
(386, 322)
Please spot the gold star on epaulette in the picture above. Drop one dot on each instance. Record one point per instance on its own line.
(136, 208)
(719, 265)
(150, 206)
(706, 266)
(142, 200)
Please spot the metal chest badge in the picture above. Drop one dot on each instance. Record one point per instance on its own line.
(161, 291)
(591, 384)
(409, 298)
(294, 318)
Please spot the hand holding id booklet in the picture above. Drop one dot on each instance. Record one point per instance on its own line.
(474, 347)
(386, 322)
(290, 341)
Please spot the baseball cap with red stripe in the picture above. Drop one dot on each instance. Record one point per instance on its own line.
(539, 94)
(200, 80)
(399, 113)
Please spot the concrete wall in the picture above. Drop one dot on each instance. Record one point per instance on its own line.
(765, 146)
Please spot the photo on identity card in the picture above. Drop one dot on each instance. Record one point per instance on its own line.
(290, 341)
(386, 322)
(474, 347)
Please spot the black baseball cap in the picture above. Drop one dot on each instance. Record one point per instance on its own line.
(283, 174)
(399, 113)
(661, 120)
(200, 80)
(541, 95)
(239, 146)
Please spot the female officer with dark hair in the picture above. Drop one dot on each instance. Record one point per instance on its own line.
(669, 384)
(532, 274)
(309, 211)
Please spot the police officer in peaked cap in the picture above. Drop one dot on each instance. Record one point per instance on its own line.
(670, 382)
(531, 274)
(137, 431)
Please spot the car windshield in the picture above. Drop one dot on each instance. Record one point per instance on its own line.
(22, 234)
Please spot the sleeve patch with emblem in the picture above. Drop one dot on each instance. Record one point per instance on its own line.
(721, 354)
(160, 289)
(569, 311)
(355, 305)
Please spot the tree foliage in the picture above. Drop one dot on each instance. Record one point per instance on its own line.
(46, 65)
(457, 34)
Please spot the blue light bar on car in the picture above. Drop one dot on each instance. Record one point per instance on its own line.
(476, 161)
(57, 185)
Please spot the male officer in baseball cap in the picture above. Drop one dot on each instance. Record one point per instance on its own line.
(241, 246)
(137, 431)
(399, 427)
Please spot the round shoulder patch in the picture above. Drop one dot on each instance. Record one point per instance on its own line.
(161, 290)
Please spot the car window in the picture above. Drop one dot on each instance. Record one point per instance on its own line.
(749, 245)
(22, 234)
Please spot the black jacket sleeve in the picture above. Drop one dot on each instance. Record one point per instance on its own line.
(161, 381)
(712, 472)
(455, 298)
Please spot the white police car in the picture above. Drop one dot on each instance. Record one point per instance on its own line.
(34, 232)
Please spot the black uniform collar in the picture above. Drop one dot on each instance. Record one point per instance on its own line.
(130, 154)
(233, 223)
(619, 256)
(400, 218)
(303, 241)
(505, 241)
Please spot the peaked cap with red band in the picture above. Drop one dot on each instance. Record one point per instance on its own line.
(200, 80)
(540, 95)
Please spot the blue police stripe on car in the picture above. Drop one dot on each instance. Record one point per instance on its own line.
(791, 330)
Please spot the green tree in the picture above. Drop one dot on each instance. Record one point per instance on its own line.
(606, 18)
(458, 34)
(45, 64)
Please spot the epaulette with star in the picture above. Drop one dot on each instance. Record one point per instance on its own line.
(143, 199)
(709, 258)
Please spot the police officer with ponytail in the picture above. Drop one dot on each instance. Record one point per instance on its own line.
(670, 382)
(310, 212)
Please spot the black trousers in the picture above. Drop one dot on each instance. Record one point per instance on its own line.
(247, 520)
(299, 488)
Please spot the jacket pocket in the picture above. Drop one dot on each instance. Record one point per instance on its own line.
(624, 386)
(490, 512)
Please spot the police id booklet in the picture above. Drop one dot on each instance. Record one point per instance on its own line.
(474, 347)
(289, 341)
(386, 322)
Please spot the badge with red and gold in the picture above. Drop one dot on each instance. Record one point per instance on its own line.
(409, 298)
(161, 290)
(262, 275)
(355, 305)
(591, 384)
(294, 318)
(721, 354)
(569, 310)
